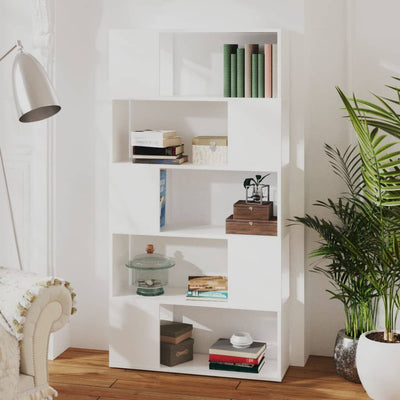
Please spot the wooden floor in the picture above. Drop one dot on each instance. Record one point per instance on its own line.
(84, 375)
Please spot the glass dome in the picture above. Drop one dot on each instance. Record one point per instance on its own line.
(150, 272)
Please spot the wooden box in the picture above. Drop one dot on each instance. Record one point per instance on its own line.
(174, 354)
(251, 227)
(254, 211)
(174, 332)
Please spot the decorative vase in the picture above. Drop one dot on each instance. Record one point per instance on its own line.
(379, 368)
(345, 356)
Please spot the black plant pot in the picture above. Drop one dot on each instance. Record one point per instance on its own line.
(345, 357)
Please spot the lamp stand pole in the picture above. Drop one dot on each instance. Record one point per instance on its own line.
(6, 182)
(8, 52)
(11, 209)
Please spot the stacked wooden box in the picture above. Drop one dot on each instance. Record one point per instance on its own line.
(176, 345)
(252, 219)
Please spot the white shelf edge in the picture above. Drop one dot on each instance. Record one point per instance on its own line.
(202, 231)
(198, 30)
(200, 99)
(199, 232)
(177, 296)
(195, 167)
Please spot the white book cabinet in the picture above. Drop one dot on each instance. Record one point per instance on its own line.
(174, 80)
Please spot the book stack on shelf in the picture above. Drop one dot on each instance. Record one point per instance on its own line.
(224, 356)
(176, 343)
(250, 71)
(157, 147)
(207, 288)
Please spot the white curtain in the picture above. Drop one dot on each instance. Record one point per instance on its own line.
(43, 32)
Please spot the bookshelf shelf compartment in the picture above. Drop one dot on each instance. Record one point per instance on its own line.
(174, 63)
(139, 349)
(253, 129)
(174, 80)
(207, 198)
(184, 250)
(261, 325)
(199, 366)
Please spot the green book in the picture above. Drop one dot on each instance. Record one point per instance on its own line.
(233, 75)
(240, 72)
(261, 74)
(255, 369)
(228, 50)
(254, 75)
(210, 294)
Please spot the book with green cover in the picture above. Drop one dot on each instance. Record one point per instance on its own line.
(207, 295)
(240, 72)
(261, 74)
(255, 369)
(233, 75)
(228, 50)
(254, 75)
(249, 50)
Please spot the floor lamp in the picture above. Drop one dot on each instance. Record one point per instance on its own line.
(35, 100)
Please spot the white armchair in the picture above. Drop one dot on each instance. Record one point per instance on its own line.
(44, 308)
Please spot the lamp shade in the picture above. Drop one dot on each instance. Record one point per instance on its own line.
(34, 95)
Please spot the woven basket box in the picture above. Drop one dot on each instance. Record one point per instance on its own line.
(210, 150)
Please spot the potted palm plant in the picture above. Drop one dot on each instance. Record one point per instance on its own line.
(375, 126)
(347, 229)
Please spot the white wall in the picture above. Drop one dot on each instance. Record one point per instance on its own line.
(375, 54)
(321, 58)
(325, 66)
(24, 148)
(83, 131)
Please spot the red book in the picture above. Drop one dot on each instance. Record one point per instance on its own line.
(238, 360)
(268, 70)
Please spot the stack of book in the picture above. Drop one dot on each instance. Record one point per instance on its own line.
(157, 147)
(207, 288)
(250, 71)
(176, 343)
(223, 356)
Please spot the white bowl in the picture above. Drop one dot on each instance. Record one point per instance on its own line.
(241, 340)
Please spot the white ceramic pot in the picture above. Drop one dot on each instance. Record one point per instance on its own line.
(378, 366)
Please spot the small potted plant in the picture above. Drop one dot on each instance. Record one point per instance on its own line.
(255, 189)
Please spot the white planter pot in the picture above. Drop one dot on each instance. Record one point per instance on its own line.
(378, 366)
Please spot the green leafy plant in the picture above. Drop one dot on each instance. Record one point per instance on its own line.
(257, 181)
(257, 187)
(380, 169)
(348, 229)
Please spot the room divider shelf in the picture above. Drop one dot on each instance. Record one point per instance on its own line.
(174, 80)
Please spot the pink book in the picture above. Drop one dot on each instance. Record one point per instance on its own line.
(268, 70)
